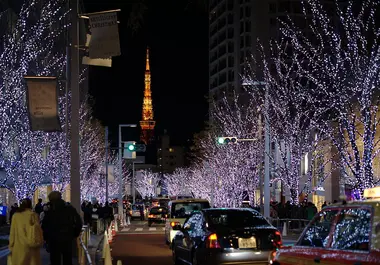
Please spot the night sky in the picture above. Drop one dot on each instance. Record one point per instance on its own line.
(177, 35)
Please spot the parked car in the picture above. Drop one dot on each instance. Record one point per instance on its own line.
(178, 211)
(225, 236)
(343, 233)
(157, 215)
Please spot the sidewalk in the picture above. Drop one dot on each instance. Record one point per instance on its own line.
(45, 256)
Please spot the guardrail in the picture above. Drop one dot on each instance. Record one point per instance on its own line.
(83, 254)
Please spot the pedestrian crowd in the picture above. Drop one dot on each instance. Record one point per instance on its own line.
(93, 212)
(55, 226)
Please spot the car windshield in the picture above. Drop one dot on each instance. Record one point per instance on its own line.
(235, 219)
(158, 210)
(184, 209)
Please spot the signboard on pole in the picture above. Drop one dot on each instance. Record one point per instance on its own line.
(106, 62)
(104, 35)
(111, 176)
(42, 102)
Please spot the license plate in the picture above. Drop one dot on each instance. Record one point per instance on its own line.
(247, 242)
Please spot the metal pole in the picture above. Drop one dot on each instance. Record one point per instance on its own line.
(67, 86)
(266, 161)
(133, 183)
(121, 215)
(74, 130)
(106, 162)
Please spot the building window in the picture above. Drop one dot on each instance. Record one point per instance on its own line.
(230, 47)
(248, 26)
(230, 33)
(171, 150)
(241, 41)
(247, 11)
(230, 5)
(248, 41)
(272, 8)
(230, 19)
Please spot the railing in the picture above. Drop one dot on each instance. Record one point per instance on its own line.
(84, 257)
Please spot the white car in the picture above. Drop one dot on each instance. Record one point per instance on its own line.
(136, 211)
(178, 211)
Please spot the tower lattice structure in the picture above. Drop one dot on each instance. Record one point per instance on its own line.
(147, 123)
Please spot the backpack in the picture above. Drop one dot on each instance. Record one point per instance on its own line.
(34, 233)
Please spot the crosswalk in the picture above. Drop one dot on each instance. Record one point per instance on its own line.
(143, 230)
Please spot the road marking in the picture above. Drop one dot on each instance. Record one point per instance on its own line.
(139, 229)
(125, 229)
(152, 229)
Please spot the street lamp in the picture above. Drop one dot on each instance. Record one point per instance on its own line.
(121, 170)
(250, 82)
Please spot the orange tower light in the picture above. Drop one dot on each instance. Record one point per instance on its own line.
(147, 123)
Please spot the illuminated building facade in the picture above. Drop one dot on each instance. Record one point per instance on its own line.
(147, 123)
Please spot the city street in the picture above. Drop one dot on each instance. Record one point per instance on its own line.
(139, 244)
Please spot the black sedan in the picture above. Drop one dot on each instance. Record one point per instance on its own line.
(157, 215)
(226, 236)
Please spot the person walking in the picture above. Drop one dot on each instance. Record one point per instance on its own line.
(61, 226)
(25, 228)
(39, 207)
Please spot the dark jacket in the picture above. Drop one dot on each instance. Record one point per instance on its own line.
(61, 222)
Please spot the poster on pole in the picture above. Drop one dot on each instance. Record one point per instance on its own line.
(42, 103)
(105, 41)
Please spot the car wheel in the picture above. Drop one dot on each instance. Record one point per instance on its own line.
(174, 256)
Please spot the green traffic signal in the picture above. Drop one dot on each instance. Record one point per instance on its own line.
(221, 140)
(131, 147)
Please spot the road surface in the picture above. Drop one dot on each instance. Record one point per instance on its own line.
(139, 244)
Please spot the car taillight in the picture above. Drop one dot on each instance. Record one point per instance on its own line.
(150, 216)
(277, 241)
(212, 241)
(173, 224)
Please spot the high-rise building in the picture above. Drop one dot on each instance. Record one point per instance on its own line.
(234, 29)
(147, 123)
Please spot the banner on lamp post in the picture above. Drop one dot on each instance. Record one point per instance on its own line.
(42, 103)
(111, 175)
(106, 62)
(104, 41)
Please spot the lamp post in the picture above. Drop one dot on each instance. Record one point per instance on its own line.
(74, 129)
(252, 83)
(121, 190)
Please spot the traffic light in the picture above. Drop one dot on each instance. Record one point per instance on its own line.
(227, 140)
(131, 147)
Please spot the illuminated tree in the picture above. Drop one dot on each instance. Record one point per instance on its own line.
(342, 55)
(177, 182)
(285, 104)
(29, 48)
(228, 172)
(146, 183)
